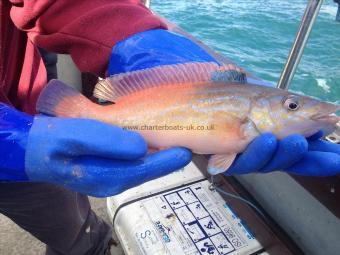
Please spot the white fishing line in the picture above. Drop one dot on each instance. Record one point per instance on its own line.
(235, 196)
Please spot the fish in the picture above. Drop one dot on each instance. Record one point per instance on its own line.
(203, 106)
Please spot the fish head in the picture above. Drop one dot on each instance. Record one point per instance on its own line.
(285, 113)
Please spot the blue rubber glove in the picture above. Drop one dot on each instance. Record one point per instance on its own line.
(294, 154)
(154, 48)
(86, 156)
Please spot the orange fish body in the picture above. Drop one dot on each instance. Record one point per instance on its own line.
(178, 115)
(184, 106)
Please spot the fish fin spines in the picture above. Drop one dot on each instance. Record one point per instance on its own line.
(229, 73)
(59, 99)
(219, 163)
(126, 83)
(105, 91)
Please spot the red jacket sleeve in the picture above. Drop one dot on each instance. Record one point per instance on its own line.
(85, 29)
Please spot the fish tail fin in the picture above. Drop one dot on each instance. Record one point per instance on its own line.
(59, 99)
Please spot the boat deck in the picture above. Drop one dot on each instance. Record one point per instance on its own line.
(14, 240)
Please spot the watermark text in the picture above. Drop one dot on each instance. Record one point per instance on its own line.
(170, 127)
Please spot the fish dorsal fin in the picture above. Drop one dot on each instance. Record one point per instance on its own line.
(229, 73)
(194, 72)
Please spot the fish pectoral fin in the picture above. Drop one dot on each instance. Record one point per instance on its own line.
(248, 129)
(219, 163)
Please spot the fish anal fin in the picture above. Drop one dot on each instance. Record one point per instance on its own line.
(152, 150)
(59, 99)
(219, 163)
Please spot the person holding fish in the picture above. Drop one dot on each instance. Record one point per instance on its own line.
(158, 78)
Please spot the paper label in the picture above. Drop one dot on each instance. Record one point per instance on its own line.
(193, 221)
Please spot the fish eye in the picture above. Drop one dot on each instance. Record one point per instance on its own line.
(291, 104)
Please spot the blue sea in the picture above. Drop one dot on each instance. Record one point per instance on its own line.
(257, 35)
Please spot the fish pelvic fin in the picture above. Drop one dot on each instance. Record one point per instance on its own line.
(219, 163)
(59, 99)
(193, 72)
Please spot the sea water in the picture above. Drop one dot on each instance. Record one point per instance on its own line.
(258, 36)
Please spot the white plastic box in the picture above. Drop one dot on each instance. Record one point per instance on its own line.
(179, 214)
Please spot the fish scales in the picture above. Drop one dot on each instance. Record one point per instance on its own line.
(207, 108)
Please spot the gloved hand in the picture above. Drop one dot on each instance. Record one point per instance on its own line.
(83, 155)
(294, 154)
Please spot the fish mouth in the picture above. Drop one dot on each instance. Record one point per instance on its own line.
(330, 118)
(328, 115)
